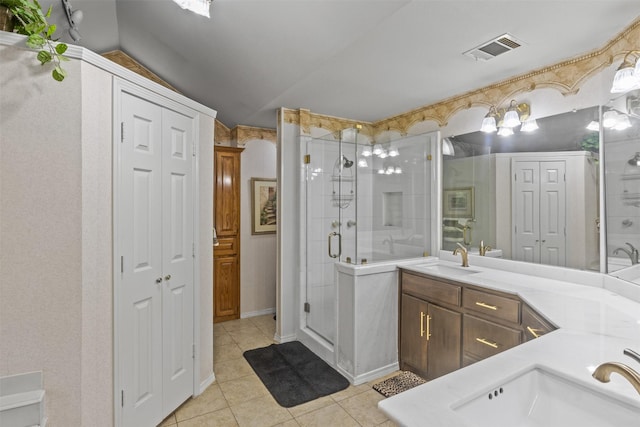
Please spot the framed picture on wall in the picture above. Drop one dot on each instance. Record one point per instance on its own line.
(458, 203)
(263, 205)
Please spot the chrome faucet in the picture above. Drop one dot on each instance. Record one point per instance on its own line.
(483, 249)
(604, 371)
(632, 253)
(463, 253)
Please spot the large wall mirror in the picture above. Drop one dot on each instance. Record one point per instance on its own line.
(621, 136)
(535, 194)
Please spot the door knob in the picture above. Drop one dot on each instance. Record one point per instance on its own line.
(167, 277)
(159, 280)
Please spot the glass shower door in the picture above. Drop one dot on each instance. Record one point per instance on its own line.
(330, 192)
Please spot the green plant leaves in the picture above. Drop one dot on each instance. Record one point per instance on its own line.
(58, 74)
(44, 57)
(61, 48)
(35, 41)
(32, 22)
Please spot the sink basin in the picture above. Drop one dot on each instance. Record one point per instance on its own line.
(446, 269)
(540, 397)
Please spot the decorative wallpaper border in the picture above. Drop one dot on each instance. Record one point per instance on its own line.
(566, 77)
(121, 58)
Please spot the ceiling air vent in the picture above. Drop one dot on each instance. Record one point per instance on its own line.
(493, 48)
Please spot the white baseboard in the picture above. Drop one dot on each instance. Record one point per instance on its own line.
(207, 382)
(257, 313)
(369, 376)
(284, 338)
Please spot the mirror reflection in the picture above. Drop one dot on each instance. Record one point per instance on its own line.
(622, 179)
(530, 196)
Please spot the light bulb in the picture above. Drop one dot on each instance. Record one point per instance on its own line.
(505, 131)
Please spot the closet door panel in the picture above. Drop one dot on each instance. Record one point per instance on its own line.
(526, 215)
(139, 222)
(177, 253)
(553, 213)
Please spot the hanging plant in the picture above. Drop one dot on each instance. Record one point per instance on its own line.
(30, 20)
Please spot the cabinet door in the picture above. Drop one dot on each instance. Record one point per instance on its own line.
(227, 191)
(413, 341)
(227, 294)
(444, 341)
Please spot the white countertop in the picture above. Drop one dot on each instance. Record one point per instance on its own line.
(596, 325)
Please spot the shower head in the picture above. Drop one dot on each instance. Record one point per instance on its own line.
(634, 161)
(346, 162)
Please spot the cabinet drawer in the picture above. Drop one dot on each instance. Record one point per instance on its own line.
(494, 306)
(227, 246)
(431, 290)
(533, 324)
(483, 339)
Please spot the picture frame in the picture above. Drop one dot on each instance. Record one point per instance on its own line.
(458, 203)
(263, 205)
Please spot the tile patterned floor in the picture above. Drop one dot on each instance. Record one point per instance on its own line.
(238, 397)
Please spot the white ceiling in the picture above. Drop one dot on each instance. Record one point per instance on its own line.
(361, 59)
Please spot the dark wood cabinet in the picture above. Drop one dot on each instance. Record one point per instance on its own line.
(226, 256)
(430, 335)
(445, 324)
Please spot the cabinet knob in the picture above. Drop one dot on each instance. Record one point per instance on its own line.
(159, 280)
(167, 277)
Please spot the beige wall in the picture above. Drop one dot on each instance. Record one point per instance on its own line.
(41, 245)
(258, 252)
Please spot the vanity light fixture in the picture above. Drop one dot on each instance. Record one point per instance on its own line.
(366, 152)
(200, 7)
(515, 114)
(489, 121)
(393, 151)
(622, 122)
(377, 150)
(447, 147)
(594, 125)
(609, 119)
(529, 125)
(362, 162)
(383, 154)
(627, 76)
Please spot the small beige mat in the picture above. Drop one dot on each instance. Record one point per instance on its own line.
(404, 381)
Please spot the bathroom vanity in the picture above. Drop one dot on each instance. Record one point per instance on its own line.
(506, 376)
(447, 324)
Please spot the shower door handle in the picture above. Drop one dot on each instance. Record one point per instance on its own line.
(333, 233)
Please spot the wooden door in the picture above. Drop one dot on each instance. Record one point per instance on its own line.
(413, 340)
(226, 274)
(444, 347)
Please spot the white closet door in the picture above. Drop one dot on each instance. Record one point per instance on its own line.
(552, 213)
(526, 212)
(156, 238)
(177, 255)
(140, 202)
